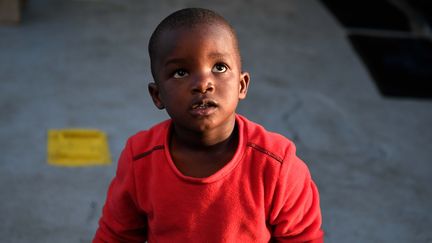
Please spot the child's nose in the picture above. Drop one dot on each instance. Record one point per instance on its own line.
(202, 84)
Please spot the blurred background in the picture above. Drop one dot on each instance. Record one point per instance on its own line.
(348, 81)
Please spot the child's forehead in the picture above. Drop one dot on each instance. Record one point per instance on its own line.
(176, 38)
(199, 30)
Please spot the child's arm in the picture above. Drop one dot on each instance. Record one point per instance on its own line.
(296, 214)
(121, 220)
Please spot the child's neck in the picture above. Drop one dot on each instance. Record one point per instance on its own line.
(201, 155)
(203, 140)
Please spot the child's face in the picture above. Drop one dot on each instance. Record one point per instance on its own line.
(198, 77)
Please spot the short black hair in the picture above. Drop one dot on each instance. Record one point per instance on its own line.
(188, 17)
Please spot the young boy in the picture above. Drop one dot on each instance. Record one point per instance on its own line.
(207, 174)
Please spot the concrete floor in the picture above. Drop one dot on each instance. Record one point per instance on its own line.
(83, 63)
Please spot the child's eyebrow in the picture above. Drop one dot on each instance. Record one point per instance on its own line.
(218, 55)
(175, 61)
(212, 55)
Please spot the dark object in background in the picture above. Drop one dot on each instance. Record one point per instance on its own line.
(400, 66)
(425, 8)
(370, 14)
(10, 11)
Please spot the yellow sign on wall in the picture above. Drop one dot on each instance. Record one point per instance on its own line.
(77, 147)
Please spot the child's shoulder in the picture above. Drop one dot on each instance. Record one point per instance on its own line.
(276, 148)
(269, 143)
(149, 140)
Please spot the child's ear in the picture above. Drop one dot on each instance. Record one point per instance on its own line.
(244, 84)
(153, 89)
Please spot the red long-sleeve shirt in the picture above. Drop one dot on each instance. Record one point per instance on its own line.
(264, 193)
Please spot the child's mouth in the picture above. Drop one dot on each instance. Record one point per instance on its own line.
(203, 108)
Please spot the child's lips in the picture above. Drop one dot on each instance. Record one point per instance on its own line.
(203, 107)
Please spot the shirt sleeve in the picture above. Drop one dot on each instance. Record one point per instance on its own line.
(296, 215)
(121, 219)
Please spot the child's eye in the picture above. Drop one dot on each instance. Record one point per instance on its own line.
(180, 73)
(219, 68)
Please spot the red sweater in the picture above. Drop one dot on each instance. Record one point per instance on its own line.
(264, 193)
